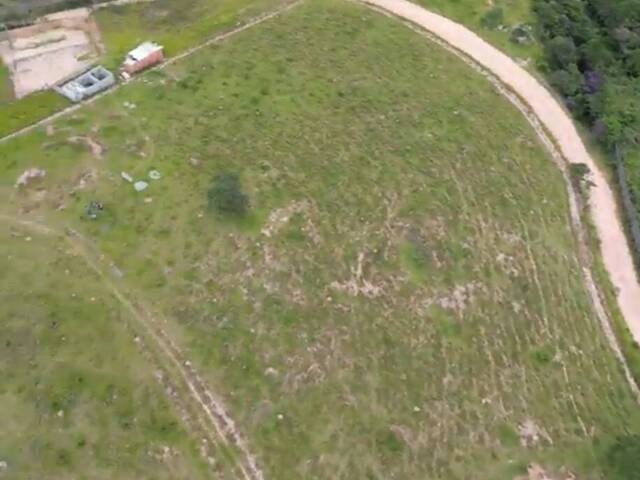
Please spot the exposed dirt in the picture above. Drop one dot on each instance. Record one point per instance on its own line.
(537, 472)
(565, 145)
(96, 149)
(531, 434)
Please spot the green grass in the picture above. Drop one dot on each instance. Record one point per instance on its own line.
(76, 399)
(359, 143)
(27, 110)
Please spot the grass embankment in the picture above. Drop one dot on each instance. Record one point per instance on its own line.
(404, 294)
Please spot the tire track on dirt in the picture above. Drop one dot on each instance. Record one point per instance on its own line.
(565, 146)
(219, 427)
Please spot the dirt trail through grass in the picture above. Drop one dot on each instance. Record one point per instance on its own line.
(218, 426)
(565, 145)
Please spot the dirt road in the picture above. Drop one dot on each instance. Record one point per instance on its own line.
(614, 247)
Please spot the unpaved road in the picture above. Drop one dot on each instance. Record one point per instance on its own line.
(613, 243)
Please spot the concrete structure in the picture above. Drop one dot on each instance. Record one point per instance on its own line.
(87, 84)
(54, 47)
(141, 57)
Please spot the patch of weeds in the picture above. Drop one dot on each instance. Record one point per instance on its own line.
(541, 356)
(388, 442)
(415, 256)
(508, 436)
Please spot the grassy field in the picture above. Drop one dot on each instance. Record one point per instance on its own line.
(76, 399)
(403, 299)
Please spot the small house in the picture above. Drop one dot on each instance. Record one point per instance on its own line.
(141, 57)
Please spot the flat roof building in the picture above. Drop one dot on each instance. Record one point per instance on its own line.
(141, 57)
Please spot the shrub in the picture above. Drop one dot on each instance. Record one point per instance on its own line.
(493, 18)
(225, 195)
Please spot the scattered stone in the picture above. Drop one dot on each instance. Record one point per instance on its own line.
(3, 466)
(29, 175)
(140, 186)
(417, 409)
(148, 200)
(116, 272)
(50, 130)
(271, 372)
(129, 105)
(60, 413)
(280, 416)
(28, 239)
(125, 176)
(93, 208)
(194, 162)
(154, 175)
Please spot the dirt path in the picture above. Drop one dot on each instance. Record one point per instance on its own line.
(559, 135)
(203, 412)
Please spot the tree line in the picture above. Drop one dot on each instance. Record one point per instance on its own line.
(592, 50)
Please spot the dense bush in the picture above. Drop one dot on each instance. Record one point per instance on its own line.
(225, 195)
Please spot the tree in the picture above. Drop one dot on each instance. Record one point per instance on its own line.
(225, 194)
(562, 52)
(568, 82)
